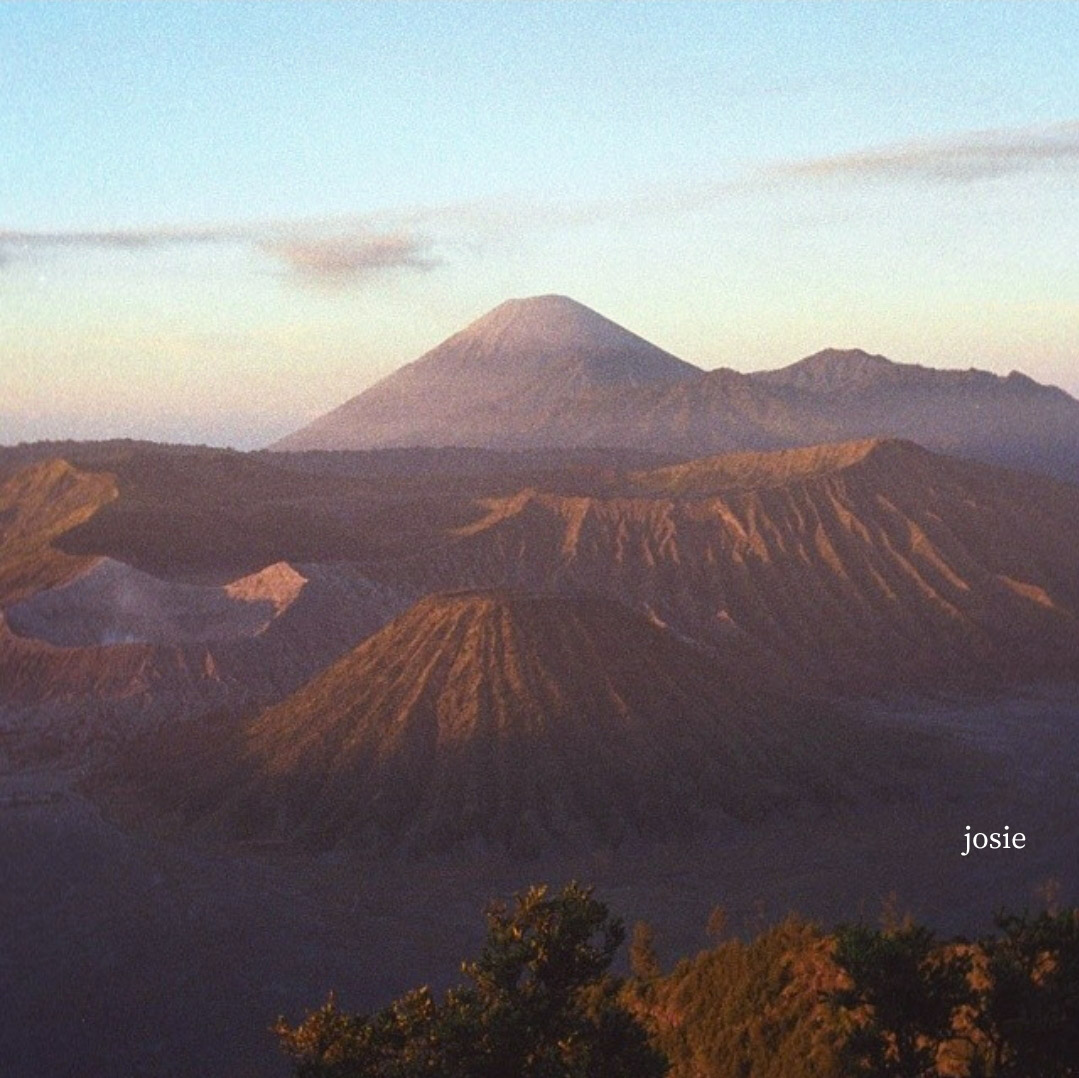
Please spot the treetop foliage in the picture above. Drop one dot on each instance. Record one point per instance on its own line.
(792, 1002)
(539, 1003)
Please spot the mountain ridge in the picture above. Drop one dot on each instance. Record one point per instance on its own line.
(871, 566)
(39, 504)
(546, 372)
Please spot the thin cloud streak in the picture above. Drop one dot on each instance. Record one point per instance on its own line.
(16, 242)
(316, 251)
(978, 155)
(962, 158)
(354, 249)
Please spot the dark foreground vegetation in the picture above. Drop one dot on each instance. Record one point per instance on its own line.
(539, 1002)
(792, 1002)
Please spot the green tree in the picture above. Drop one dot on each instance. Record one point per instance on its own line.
(904, 994)
(1028, 1006)
(750, 1008)
(539, 1003)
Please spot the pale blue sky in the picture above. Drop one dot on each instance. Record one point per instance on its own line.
(219, 220)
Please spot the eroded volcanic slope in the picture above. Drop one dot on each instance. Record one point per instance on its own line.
(38, 504)
(500, 720)
(871, 565)
(865, 566)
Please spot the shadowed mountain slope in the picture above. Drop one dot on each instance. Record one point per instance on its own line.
(871, 565)
(547, 372)
(496, 720)
(211, 515)
(89, 644)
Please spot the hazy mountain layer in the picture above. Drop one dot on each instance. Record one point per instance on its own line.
(548, 372)
(1011, 420)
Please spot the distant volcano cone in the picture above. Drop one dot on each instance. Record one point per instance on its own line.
(501, 373)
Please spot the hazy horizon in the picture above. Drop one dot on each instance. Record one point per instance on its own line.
(223, 220)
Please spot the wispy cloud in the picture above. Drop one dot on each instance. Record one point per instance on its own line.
(13, 242)
(326, 252)
(342, 258)
(965, 158)
(352, 251)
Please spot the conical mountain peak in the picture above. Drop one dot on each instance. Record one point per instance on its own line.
(471, 721)
(495, 380)
(550, 306)
(539, 321)
(556, 333)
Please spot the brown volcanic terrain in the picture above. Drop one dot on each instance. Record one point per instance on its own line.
(91, 648)
(495, 720)
(198, 515)
(547, 371)
(34, 673)
(499, 724)
(872, 565)
(112, 653)
(37, 505)
(211, 515)
(865, 566)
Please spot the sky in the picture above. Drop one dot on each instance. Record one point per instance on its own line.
(218, 221)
